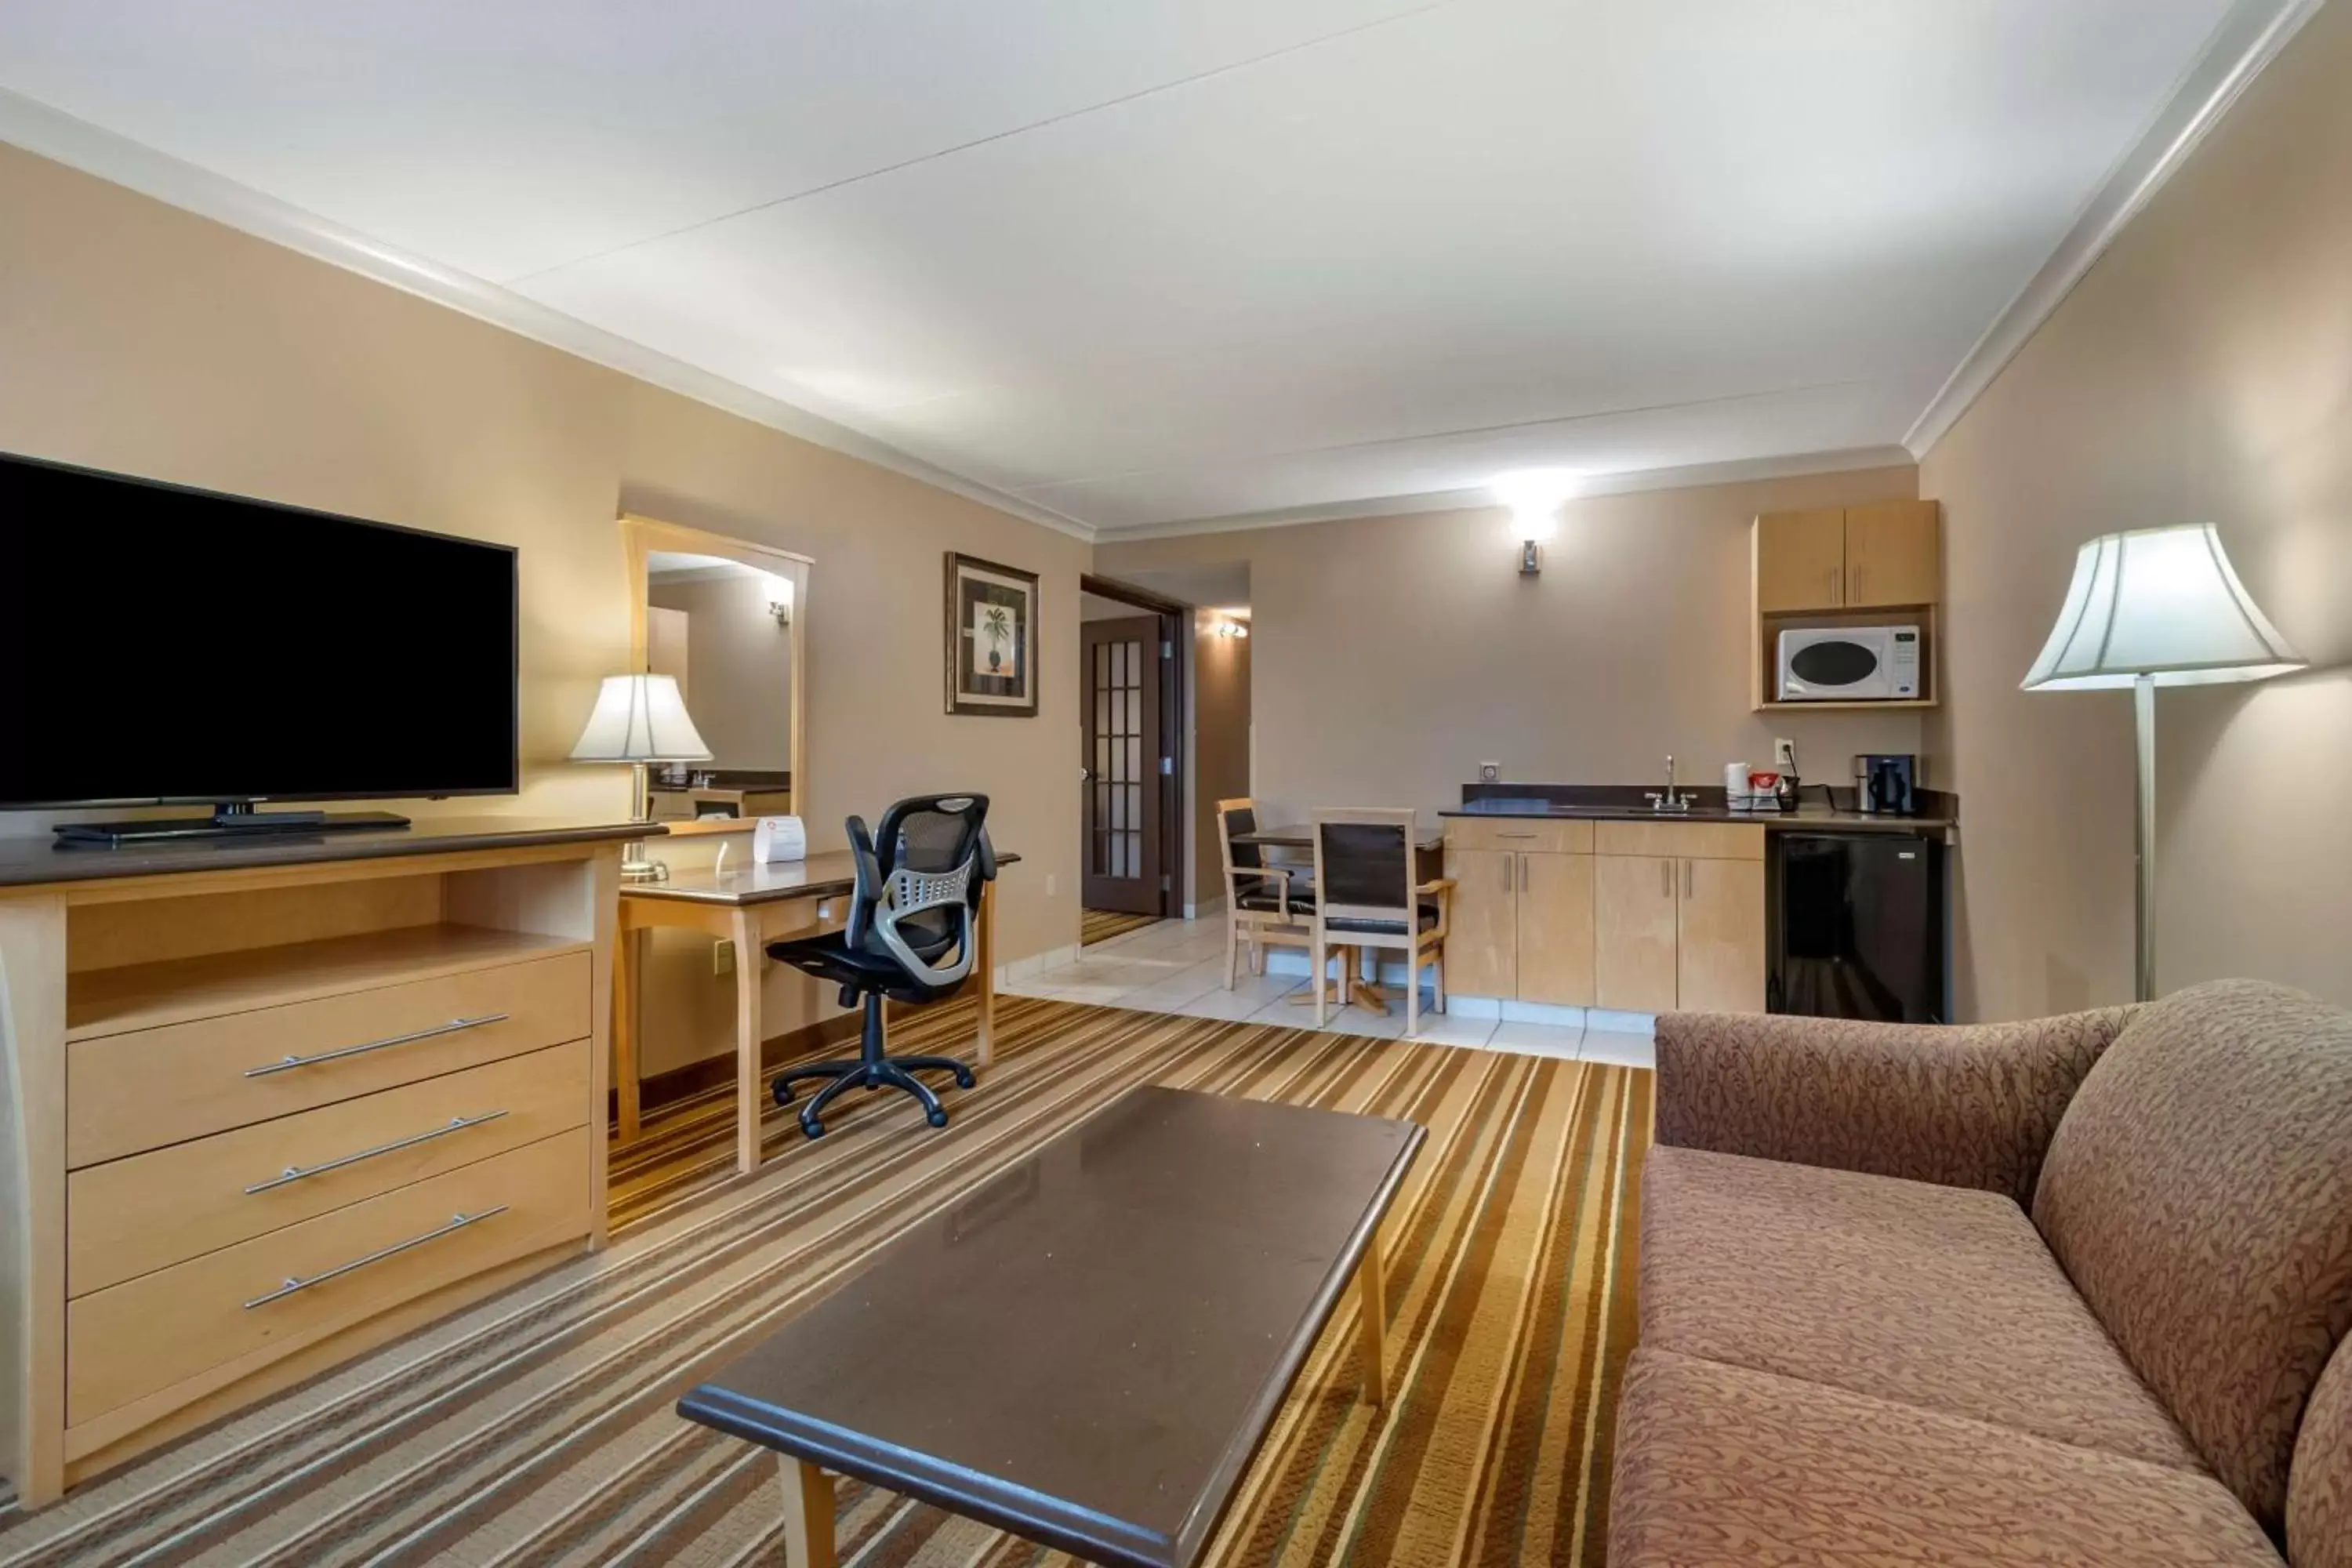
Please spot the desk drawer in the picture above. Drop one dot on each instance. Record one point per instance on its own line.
(144, 1335)
(128, 1092)
(128, 1217)
(1529, 835)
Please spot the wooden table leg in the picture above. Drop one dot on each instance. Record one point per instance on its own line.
(808, 1514)
(627, 978)
(1372, 1286)
(985, 962)
(750, 1100)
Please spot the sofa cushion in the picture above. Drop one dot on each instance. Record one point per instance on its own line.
(1724, 1465)
(2319, 1487)
(2199, 1192)
(1940, 1296)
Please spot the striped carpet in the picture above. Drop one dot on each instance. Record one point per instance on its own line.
(536, 1428)
(1101, 925)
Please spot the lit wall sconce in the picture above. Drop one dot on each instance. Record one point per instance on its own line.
(780, 599)
(1227, 627)
(1534, 495)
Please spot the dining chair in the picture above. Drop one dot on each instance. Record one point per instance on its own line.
(1266, 904)
(1369, 896)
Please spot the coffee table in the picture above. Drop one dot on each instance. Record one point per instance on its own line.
(1087, 1350)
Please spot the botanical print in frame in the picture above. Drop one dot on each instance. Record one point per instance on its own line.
(992, 638)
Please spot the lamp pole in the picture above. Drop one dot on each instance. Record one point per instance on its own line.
(2143, 840)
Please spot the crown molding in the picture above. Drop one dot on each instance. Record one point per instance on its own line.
(1689, 475)
(61, 138)
(2247, 39)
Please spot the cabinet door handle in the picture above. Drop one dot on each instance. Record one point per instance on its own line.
(1837, 574)
(1667, 877)
(1507, 873)
(1689, 872)
(296, 1173)
(1855, 579)
(287, 1064)
(1523, 873)
(296, 1282)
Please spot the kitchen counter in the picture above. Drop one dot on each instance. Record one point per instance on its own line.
(1614, 803)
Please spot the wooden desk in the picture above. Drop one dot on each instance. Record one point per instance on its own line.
(752, 905)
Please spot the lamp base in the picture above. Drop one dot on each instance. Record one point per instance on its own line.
(636, 868)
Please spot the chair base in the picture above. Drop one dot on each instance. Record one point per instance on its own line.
(872, 1069)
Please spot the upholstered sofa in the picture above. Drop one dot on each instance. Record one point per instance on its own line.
(2069, 1292)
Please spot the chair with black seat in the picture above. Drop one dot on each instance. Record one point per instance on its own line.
(912, 934)
(1370, 896)
(1266, 905)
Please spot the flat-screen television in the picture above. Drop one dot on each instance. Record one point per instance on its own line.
(162, 645)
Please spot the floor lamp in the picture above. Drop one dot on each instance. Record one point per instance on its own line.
(638, 720)
(2156, 607)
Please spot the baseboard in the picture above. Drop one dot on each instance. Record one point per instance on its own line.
(1036, 962)
(685, 1082)
(1607, 1023)
(1206, 909)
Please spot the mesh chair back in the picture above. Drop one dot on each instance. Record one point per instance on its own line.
(1364, 865)
(928, 861)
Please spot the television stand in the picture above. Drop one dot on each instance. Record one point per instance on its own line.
(232, 819)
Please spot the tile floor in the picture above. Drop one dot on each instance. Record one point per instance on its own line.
(1179, 966)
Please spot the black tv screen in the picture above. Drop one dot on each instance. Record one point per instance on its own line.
(167, 645)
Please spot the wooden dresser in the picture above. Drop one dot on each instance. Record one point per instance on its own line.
(267, 1105)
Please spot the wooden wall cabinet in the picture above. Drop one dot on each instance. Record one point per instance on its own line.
(1640, 917)
(1838, 566)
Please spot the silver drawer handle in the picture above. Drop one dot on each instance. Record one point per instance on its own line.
(1514, 835)
(287, 1064)
(295, 1282)
(296, 1172)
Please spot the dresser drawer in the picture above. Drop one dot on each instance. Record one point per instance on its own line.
(1532, 835)
(146, 1334)
(128, 1217)
(128, 1092)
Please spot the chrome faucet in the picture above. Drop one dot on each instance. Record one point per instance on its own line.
(1670, 801)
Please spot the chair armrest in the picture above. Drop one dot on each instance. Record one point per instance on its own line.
(1436, 885)
(1966, 1106)
(1281, 875)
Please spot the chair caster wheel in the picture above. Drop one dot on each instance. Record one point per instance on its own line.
(783, 1093)
(811, 1126)
(936, 1118)
(964, 1077)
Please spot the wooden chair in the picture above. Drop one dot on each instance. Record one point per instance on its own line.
(1266, 905)
(1368, 898)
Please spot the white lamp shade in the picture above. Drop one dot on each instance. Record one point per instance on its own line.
(640, 718)
(2163, 602)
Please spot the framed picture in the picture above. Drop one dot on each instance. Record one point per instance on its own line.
(992, 638)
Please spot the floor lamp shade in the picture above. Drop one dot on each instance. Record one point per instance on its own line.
(2163, 602)
(640, 718)
(2156, 607)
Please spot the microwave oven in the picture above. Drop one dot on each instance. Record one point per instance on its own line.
(1849, 664)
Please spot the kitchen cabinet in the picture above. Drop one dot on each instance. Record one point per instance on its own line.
(1638, 917)
(1881, 555)
(1482, 945)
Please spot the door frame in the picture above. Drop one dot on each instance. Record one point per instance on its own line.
(1175, 632)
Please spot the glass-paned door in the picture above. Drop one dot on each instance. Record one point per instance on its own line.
(1121, 715)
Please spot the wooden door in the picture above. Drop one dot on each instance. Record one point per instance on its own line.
(1800, 560)
(1556, 929)
(1720, 936)
(1634, 898)
(1892, 555)
(1482, 927)
(1119, 708)
(666, 645)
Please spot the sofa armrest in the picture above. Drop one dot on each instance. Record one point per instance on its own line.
(1965, 1106)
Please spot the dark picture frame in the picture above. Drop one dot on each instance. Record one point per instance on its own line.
(992, 638)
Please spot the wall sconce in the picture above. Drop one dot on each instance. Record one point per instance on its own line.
(780, 599)
(1534, 495)
(1227, 627)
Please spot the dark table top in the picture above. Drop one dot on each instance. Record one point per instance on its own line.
(1087, 1351)
(34, 860)
(1809, 815)
(1302, 837)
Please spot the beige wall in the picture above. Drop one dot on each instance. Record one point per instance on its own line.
(139, 338)
(738, 669)
(2201, 372)
(1219, 701)
(1388, 656)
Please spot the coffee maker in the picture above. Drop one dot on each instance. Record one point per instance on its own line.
(1884, 783)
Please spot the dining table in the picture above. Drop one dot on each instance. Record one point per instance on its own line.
(1428, 862)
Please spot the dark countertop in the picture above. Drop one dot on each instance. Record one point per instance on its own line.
(1823, 806)
(36, 859)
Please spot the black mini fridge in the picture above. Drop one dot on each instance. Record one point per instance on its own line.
(1857, 924)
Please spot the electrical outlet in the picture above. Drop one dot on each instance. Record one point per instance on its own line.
(1049, 884)
(1784, 754)
(1490, 773)
(722, 958)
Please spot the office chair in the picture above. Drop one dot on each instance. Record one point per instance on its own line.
(915, 900)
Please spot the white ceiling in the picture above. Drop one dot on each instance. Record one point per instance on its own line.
(1161, 260)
